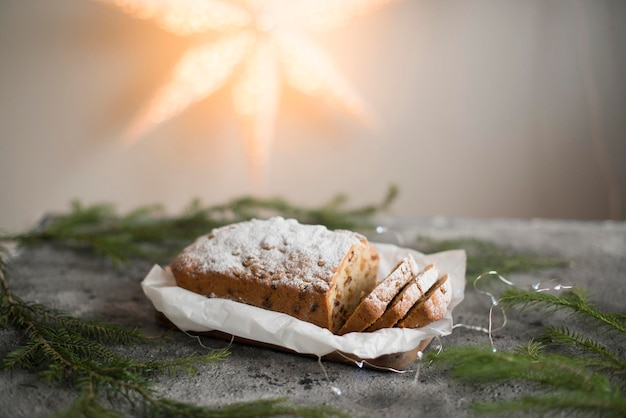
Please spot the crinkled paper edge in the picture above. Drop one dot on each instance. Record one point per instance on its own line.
(193, 312)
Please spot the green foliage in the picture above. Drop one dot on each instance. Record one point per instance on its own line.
(485, 256)
(564, 383)
(569, 371)
(607, 360)
(575, 302)
(587, 343)
(66, 350)
(148, 233)
(572, 370)
(259, 408)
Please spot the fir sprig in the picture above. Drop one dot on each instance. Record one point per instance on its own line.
(573, 371)
(571, 404)
(558, 378)
(578, 306)
(575, 302)
(148, 232)
(487, 256)
(254, 409)
(608, 361)
(64, 349)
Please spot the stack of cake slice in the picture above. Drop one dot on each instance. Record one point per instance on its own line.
(406, 298)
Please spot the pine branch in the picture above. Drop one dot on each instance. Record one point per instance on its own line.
(564, 337)
(586, 376)
(571, 404)
(485, 256)
(562, 377)
(481, 364)
(86, 405)
(259, 408)
(64, 349)
(574, 301)
(147, 232)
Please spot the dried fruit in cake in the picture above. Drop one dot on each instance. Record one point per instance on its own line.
(307, 271)
(376, 302)
(410, 294)
(432, 307)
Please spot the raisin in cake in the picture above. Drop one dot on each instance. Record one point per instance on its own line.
(410, 295)
(431, 307)
(307, 271)
(376, 302)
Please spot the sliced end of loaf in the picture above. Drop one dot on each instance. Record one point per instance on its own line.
(355, 277)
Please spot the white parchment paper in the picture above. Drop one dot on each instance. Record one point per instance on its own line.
(193, 312)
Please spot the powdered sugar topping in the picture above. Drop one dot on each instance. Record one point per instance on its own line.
(273, 249)
(402, 273)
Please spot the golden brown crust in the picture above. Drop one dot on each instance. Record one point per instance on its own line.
(324, 277)
(306, 271)
(406, 298)
(430, 308)
(376, 302)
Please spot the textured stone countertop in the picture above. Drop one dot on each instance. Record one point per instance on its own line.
(85, 285)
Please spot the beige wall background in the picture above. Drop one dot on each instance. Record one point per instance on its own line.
(500, 108)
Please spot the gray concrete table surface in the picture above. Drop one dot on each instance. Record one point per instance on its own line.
(85, 285)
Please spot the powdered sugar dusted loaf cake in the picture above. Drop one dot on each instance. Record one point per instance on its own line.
(307, 271)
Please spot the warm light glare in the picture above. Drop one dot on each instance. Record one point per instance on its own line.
(325, 15)
(184, 17)
(200, 72)
(255, 100)
(309, 70)
(261, 40)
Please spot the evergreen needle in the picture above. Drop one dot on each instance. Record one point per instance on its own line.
(65, 349)
(571, 404)
(574, 301)
(585, 376)
(485, 256)
(563, 336)
(560, 378)
(78, 355)
(147, 232)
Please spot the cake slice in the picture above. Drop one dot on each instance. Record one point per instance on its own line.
(376, 302)
(406, 298)
(430, 308)
(307, 271)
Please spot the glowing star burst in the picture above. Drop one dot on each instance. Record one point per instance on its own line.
(261, 43)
